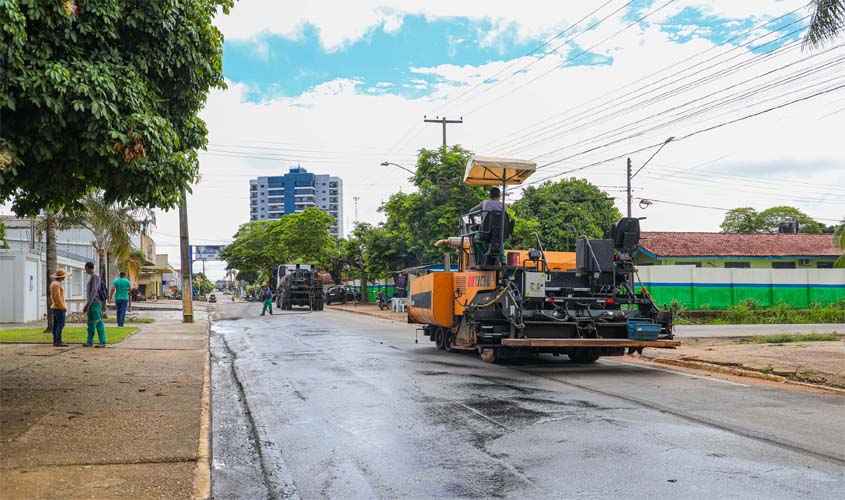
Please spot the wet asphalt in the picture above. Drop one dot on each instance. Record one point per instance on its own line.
(345, 406)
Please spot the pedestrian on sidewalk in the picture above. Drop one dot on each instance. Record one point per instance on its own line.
(120, 293)
(57, 306)
(267, 295)
(97, 294)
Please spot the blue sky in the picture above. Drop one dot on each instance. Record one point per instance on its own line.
(273, 65)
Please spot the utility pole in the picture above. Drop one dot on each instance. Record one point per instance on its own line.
(630, 196)
(187, 285)
(631, 176)
(444, 122)
(356, 198)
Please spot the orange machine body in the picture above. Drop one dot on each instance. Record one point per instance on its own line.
(432, 299)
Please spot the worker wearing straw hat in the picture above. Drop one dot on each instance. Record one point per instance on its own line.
(57, 306)
(267, 295)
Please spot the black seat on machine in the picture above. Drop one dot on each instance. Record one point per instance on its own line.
(489, 235)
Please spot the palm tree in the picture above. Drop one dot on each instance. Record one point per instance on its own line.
(827, 23)
(113, 225)
(839, 240)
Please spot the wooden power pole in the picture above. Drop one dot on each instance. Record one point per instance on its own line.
(444, 122)
(187, 285)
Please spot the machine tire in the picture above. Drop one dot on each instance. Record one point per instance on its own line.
(584, 355)
(440, 338)
(489, 354)
(447, 339)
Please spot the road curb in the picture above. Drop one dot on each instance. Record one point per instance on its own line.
(366, 313)
(202, 479)
(739, 372)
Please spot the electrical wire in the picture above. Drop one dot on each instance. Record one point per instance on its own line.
(695, 66)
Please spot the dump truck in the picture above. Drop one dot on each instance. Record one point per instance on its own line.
(505, 303)
(299, 285)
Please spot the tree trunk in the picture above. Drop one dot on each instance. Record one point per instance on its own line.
(52, 262)
(364, 298)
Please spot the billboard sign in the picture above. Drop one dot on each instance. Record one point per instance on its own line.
(206, 252)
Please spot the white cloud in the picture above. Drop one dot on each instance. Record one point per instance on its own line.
(343, 22)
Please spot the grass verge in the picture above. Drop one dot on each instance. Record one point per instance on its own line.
(785, 338)
(70, 335)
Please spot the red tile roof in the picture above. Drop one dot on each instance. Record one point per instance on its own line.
(670, 244)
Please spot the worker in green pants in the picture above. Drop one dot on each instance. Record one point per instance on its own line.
(97, 295)
(267, 295)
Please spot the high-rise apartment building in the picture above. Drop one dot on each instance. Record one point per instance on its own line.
(272, 197)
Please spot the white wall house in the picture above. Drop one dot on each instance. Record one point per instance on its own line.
(23, 268)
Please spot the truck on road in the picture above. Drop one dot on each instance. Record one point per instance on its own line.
(299, 285)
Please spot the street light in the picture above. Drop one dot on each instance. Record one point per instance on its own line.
(387, 163)
(630, 176)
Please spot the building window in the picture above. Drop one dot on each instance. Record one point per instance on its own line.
(783, 265)
(737, 265)
(824, 264)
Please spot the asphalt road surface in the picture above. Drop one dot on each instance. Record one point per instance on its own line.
(344, 406)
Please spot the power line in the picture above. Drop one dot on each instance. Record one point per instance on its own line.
(708, 106)
(673, 67)
(604, 112)
(684, 137)
(546, 54)
(693, 205)
(570, 59)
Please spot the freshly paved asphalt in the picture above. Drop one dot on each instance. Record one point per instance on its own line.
(338, 405)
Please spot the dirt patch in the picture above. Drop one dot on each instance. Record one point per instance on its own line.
(821, 363)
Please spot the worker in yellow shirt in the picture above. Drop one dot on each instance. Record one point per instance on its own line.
(58, 306)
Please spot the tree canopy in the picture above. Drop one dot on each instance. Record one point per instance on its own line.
(104, 96)
(563, 211)
(747, 220)
(295, 238)
(416, 220)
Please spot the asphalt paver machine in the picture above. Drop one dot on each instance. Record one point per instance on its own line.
(506, 303)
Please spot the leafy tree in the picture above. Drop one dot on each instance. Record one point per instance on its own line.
(385, 252)
(827, 22)
(202, 284)
(305, 235)
(104, 96)
(746, 220)
(839, 240)
(354, 250)
(295, 238)
(416, 220)
(563, 211)
(255, 248)
(741, 220)
(4, 244)
(772, 218)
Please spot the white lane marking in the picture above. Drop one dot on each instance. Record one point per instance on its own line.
(712, 379)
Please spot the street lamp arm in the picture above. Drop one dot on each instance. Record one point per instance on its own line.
(386, 163)
(667, 141)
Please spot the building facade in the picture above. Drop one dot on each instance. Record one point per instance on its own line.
(23, 268)
(272, 197)
(738, 251)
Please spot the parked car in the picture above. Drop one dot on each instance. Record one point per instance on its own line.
(339, 294)
(212, 298)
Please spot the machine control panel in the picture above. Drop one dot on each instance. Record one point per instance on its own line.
(535, 285)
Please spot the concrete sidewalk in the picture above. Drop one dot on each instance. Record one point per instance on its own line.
(120, 422)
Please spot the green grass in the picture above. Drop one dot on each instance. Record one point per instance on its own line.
(112, 319)
(785, 338)
(748, 312)
(70, 335)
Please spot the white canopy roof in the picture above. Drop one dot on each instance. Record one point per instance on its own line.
(491, 171)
